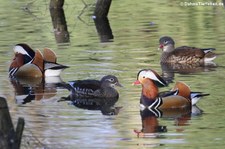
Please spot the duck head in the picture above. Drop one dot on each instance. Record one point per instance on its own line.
(25, 50)
(150, 82)
(152, 75)
(166, 43)
(110, 81)
(23, 54)
(26, 62)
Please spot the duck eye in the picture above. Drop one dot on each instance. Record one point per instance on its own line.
(143, 77)
(165, 42)
(111, 80)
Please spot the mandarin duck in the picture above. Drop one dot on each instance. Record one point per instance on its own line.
(30, 63)
(105, 88)
(180, 97)
(184, 54)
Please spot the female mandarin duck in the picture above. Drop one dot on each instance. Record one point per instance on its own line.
(30, 63)
(105, 88)
(184, 54)
(180, 97)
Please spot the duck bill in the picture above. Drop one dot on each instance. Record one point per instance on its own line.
(137, 82)
(160, 47)
(118, 84)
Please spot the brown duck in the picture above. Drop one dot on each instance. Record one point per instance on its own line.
(184, 54)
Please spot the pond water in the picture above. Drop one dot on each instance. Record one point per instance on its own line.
(136, 28)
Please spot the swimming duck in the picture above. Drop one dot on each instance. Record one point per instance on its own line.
(150, 94)
(105, 88)
(30, 63)
(184, 54)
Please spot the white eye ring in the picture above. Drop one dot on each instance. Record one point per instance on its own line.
(111, 80)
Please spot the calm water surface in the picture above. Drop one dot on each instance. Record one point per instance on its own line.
(136, 28)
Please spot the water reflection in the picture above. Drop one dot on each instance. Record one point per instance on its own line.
(104, 29)
(168, 69)
(150, 120)
(28, 89)
(150, 124)
(105, 105)
(188, 68)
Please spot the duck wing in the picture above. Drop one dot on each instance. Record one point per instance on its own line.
(49, 55)
(189, 51)
(168, 93)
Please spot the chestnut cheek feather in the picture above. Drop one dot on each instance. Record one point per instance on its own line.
(17, 61)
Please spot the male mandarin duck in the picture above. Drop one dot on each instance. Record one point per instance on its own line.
(184, 54)
(30, 63)
(180, 97)
(105, 88)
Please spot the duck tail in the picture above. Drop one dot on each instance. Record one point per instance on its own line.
(198, 94)
(64, 99)
(209, 56)
(64, 86)
(206, 50)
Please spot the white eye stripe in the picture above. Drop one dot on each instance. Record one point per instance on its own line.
(19, 49)
(150, 75)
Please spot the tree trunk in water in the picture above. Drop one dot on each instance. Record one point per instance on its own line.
(56, 3)
(102, 8)
(59, 25)
(8, 137)
(59, 21)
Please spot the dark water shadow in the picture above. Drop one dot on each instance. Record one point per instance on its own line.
(169, 70)
(104, 29)
(105, 105)
(151, 126)
(29, 89)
